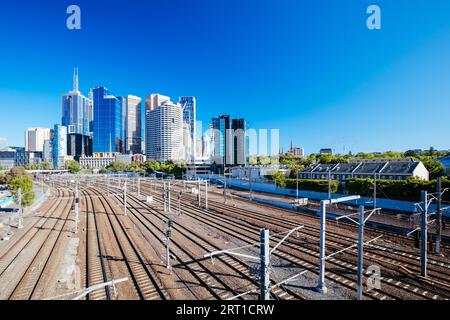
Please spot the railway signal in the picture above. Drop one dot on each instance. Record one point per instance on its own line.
(168, 234)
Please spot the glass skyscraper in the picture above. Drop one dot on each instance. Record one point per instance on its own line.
(77, 116)
(108, 124)
(189, 106)
(59, 146)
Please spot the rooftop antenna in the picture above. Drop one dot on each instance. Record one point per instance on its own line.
(75, 80)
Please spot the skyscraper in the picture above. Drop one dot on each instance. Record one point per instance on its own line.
(132, 124)
(35, 138)
(77, 116)
(229, 143)
(59, 146)
(189, 106)
(239, 142)
(108, 126)
(164, 127)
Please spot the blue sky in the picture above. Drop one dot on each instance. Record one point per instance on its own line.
(309, 68)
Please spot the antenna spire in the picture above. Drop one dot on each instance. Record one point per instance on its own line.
(75, 80)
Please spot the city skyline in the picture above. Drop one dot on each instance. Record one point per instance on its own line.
(345, 87)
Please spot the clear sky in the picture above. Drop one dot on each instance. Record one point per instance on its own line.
(309, 68)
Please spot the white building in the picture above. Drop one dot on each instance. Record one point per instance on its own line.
(258, 172)
(164, 129)
(35, 137)
(132, 124)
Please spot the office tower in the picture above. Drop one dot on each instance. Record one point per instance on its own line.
(108, 126)
(132, 124)
(35, 137)
(164, 129)
(228, 141)
(239, 142)
(47, 155)
(78, 117)
(189, 106)
(221, 141)
(59, 146)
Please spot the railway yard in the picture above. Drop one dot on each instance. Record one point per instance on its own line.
(57, 254)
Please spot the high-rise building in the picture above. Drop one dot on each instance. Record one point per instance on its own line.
(35, 137)
(189, 106)
(238, 127)
(229, 143)
(108, 125)
(222, 154)
(47, 155)
(164, 129)
(78, 117)
(132, 124)
(59, 146)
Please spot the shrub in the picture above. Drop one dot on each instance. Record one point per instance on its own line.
(312, 185)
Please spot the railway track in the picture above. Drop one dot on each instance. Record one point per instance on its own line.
(237, 266)
(96, 271)
(145, 285)
(44, 242)
(414, 289)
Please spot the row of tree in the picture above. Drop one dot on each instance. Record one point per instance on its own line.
(409, 190)
(169, 168)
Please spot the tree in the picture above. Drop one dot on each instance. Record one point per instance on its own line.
(73, 166)
(117, 166)
(434, 167)
(26, 185)
(280, 179)
(46, 166)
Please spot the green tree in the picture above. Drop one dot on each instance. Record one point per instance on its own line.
(280, 179)
(26, 185)
(73, 166)
(46, 166)
(117, 166)
(434, 167)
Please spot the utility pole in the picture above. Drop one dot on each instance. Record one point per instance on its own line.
(225, 191)
(323, 218)
(179, 203)
(199, 193)
(251, 186)
(139, 186)
(439, 216)
(375, 191)
(297, 185)
(125, 198)
(329, 184)
(206, 194)
(19, 197)
(170, 210)
(360, 252)
(169, 225)
(265, 264)
(424, 234)
(165, 196)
